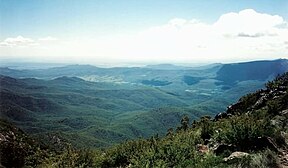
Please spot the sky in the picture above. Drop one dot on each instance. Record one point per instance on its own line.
(149, 31)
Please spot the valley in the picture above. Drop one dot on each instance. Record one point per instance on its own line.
(143, 84)
(98, 107)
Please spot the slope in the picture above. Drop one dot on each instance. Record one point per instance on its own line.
(250, 133)
(83, 112)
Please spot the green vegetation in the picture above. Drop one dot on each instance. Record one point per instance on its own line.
(100, 114)
(190, 80)
(258, 70)
(155, 82)
(66, 110)
(251, 133)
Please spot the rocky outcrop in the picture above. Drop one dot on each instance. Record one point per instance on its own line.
(235, 155)
(274, 90)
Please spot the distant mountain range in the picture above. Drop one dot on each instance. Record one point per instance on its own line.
(227, 73)
(250, 133)
(257, 70)
(94, 106)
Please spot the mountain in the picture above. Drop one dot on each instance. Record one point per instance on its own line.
(250, 133)
(92, 111)
(227, 73)
(98, 107)
(230, 74)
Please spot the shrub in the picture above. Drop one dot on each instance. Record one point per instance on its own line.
(206, 126)
(263, 159)
(244, 131)
(72, 158)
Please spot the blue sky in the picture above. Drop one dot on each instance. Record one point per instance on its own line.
(59, 17)
(87, 21)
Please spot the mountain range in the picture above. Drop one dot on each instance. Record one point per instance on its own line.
(97, 107)
(250, 133)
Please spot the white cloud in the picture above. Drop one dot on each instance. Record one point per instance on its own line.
(17, 41)
(239, 36)
(248, 22)
(246, 35)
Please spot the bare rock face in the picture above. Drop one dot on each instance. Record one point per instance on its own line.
(235, 155)
(260, 102)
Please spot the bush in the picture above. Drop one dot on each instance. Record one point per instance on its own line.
(73, 158)
(244, 131)
(263, 159)
(206, 126)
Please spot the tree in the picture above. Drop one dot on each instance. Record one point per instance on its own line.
(206, 127)
(185, 123)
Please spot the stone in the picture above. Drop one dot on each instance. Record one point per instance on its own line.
(202, 149)
(236, 155)
(284, 112)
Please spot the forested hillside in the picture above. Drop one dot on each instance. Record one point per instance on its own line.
(97, 107)
(250, 133)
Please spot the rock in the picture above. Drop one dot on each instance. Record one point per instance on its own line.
(202, 149)
(236, 155)
(2, 138)
(284, 112)
(220, 116)
(283, 158)
(274, 122)
(260, 102)
(128, 166)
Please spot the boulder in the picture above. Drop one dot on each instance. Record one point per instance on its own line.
(202, 149)
(235, 155)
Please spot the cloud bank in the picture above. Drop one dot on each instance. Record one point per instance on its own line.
(241, 36)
